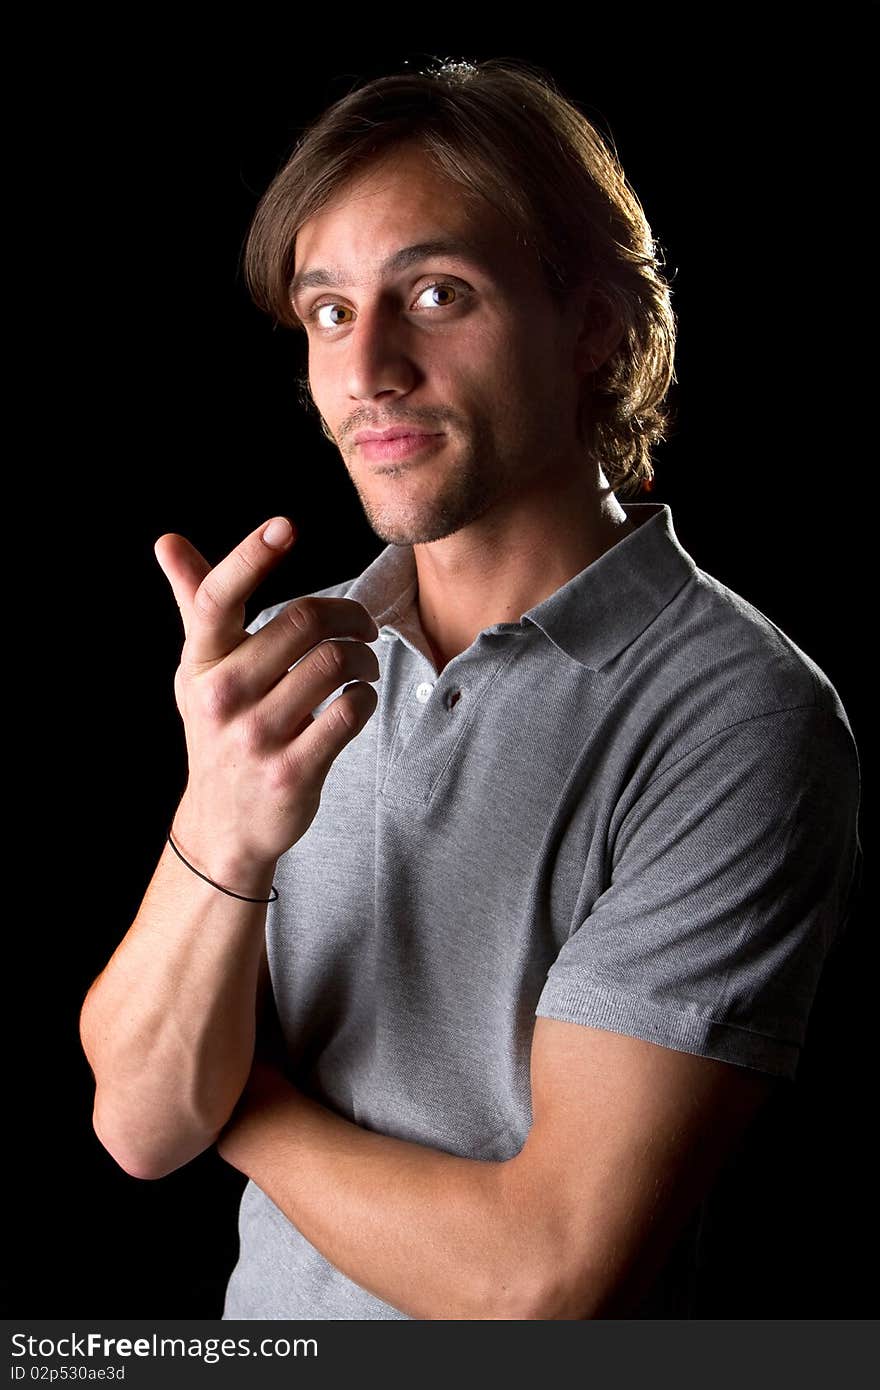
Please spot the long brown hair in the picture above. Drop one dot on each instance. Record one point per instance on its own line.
(502, 130)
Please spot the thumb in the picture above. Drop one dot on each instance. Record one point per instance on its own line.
(184, 567)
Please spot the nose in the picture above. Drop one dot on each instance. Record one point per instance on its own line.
(379, 353)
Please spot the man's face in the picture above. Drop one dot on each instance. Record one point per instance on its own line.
(464, 345)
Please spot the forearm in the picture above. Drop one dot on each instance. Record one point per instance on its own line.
(432, 1234)
(168, 1027)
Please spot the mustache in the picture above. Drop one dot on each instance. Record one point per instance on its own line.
(423, 425)
(357, 422)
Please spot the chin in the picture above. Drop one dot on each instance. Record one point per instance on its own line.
(426, 502)
(397, 531)
(402, 523)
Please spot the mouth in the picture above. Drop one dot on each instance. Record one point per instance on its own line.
(402, 446)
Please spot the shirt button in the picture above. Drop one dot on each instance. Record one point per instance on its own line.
(423, 692)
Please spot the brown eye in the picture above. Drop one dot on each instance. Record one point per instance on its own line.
(331, 322)
(447, 293)
(440, 287)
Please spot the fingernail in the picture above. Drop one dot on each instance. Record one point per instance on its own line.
(278, 533)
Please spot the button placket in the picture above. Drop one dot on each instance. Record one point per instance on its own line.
(437, 731)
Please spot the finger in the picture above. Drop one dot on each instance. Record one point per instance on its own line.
(323, 740)
(297, 637)
(184, 568)
(324, 670)
(214, 619)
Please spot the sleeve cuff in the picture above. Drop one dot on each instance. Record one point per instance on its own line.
(592, 1004)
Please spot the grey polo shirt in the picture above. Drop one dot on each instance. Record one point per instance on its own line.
(635, 808)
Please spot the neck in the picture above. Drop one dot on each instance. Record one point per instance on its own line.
(500, 566)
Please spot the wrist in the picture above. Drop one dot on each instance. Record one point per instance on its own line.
(224, 862)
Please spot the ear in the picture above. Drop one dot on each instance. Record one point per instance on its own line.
(599, 328)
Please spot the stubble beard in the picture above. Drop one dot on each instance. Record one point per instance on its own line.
(469, 490)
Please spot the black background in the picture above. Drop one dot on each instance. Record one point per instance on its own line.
(163, 401)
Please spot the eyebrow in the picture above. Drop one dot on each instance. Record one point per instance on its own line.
(401, 260)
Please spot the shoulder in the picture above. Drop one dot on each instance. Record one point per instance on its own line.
(754, 645)
(712, 661)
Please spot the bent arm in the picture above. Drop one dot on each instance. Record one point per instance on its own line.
(169, 1025)
(627, 1138)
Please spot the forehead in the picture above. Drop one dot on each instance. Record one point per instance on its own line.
(400, 209)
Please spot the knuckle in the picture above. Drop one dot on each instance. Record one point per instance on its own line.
(331, 659)
(221, 695)
(343, 713)
(304, 616)
(207, 603)
(244, 561)
(249, 733)
(289, 772)
(352, 707)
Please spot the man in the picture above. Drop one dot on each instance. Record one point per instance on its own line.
(541, 919)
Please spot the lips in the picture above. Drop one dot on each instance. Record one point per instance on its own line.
(394, 432)
(395, 445)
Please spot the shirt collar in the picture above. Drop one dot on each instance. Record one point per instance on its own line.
(592, 617)
(611, 602)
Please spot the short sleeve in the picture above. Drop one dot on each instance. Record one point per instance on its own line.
(732, 877)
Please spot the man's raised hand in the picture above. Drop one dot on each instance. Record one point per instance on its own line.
(257, 757)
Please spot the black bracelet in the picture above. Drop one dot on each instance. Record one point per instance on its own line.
(229, 891)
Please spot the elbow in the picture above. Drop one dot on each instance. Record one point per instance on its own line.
(136, 1168)
(528, 1271)
(527, 1287)
(128, 1159)
(537, 1282)
(135, 1164)
(522, 1296)
(549, 1299)
(147, 1162)
(580, 1295)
